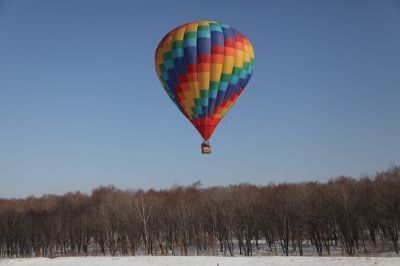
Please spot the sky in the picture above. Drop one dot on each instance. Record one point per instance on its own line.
(81, 105)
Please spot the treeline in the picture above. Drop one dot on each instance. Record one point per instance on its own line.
(343, 216)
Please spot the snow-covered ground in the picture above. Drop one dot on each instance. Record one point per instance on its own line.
(204, 261)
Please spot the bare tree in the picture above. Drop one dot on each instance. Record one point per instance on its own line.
(357, 216)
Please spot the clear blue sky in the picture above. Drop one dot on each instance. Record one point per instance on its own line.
(81, 106)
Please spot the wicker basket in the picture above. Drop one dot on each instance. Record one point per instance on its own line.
(205, 148)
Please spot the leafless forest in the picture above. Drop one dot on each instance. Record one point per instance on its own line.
(343, 216)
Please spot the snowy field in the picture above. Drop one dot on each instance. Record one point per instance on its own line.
(204, 261)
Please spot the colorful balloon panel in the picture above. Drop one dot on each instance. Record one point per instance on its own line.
(204, 66)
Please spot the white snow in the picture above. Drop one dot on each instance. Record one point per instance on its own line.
(204, 261)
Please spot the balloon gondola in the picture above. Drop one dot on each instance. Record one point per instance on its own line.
(204, 66)
(205, 147)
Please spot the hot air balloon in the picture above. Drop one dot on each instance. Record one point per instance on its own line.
(204, 66)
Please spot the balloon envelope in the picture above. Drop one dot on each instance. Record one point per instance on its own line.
(204, 66)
